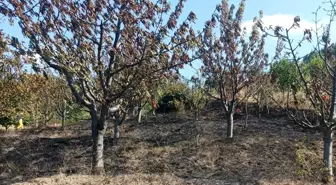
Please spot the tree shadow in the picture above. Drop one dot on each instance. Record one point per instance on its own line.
(25, 158)
(199, 150)
(174, 145)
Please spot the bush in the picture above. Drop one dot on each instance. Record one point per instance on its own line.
(173, 98)
(198, 100)
(7, 122)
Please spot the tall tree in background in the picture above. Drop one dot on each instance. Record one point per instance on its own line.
(106, 48)
(230, 62)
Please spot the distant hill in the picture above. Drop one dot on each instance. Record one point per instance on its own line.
(310, 55)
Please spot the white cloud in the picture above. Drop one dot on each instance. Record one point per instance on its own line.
(283, 20)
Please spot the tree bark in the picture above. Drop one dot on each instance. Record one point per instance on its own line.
(64, 112)
(36, 119)
(229, 131)
(63, 119)
(327, 151)
(328, 134)
(98, 127)
(98, 155)
(258, 107)
(139, 115)
(116, 129)
(246, 115)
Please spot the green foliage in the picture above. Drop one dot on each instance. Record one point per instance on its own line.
(198, 100)
(287, 75)
(7, 122)
(314, 67)
(183, 96)
(77, 113)
(197, 97)
(173, 97)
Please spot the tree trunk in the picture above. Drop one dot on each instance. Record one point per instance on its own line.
(116, 129)
(246, 115)
(63, 119)
(64, 112)
(327, 152)
(98, 157)
(35, 115)
(258, 107)
(122, 119)
(287, 99)
(229, 131)
(139, 115)
(328, 134)
(98, 127)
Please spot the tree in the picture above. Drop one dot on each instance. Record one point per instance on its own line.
(12, 90)
(287, 77)
(105, 49)
(320, 84)
(41, 99)
(231, 62)
(173, 96)
(63, 99)
(197, 97)
(286, 73)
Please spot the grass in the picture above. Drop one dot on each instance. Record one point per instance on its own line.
(167, 149)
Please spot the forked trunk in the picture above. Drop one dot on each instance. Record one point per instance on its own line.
(327, 153)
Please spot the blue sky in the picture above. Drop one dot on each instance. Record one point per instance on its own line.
(276, 12)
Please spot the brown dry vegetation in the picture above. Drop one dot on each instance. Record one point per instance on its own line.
(167, 149)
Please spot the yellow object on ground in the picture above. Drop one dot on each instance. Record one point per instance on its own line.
(20, 124)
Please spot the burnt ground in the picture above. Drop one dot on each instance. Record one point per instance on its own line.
(167, 149)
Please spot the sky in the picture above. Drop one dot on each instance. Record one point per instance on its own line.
(276, 12)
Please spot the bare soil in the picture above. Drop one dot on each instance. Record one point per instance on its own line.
(167, 149)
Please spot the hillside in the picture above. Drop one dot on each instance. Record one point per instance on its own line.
(167, 149)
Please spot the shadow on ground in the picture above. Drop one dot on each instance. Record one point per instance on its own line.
(194, 151)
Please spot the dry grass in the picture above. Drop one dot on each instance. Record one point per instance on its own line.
(135, 179)
(167, 150)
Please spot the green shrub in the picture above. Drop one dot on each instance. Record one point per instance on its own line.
(198, 100)
(7, 122)
(173, 97)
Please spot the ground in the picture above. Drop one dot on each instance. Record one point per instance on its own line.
(167, 149)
